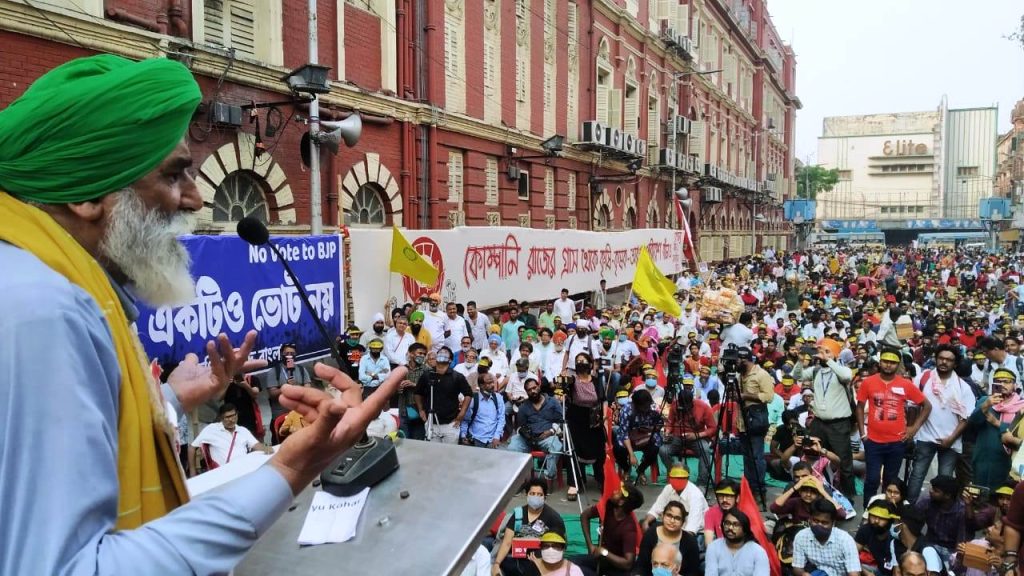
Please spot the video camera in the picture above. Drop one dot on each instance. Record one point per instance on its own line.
(673, 380)
(730, 359)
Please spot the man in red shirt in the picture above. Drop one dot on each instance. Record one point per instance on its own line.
(882, 398)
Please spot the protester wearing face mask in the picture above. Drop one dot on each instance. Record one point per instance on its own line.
(377, 331)
(584, 414)
(650, 384)
(537, 427)
(551, 559)
(437, 397)
(874, 539)
(533, 520)
(821, 545)
(468, 365)
(639, 428)
(680, 489)
(409, 421)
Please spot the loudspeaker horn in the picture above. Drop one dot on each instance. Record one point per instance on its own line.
(347, 131)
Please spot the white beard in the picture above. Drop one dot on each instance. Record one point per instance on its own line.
(143, 244)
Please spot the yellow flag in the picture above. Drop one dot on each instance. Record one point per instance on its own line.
(653, 287)
(407, 261)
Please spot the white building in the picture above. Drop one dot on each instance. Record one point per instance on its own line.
(908, 165)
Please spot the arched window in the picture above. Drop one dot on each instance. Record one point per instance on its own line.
(629, 219)
(602, 216)
(652, 215)
(368, 206)
(240, 194)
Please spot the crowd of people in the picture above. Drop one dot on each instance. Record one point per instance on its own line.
(849, 381)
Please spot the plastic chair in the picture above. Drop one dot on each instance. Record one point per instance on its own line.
(538, 468)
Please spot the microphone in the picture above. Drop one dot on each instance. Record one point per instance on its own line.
(255, 232)
(370, 460)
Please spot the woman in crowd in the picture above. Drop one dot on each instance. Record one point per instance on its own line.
(584, 417)
(669, 531)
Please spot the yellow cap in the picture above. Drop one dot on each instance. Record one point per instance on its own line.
(1004, 374)
(552, 537)
(882, 512)
(678, 472)
(726, 491)
(889, 356)
(1004, 490)
(622, 394)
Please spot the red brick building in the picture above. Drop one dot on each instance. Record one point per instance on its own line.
(457, 97)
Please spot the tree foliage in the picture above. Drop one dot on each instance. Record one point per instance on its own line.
(813, 179)
(1018, 35)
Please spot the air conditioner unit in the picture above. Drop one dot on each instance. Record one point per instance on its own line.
(685, 47)
(640, 147)
(771, 176)
(711, 195)
(682, 124)
(594, 133)
(666, 157)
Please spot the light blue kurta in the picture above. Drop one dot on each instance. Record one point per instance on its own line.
(59, 386)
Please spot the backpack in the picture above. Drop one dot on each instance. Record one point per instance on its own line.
(475, 407)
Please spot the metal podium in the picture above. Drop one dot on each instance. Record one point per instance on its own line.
(454, 494)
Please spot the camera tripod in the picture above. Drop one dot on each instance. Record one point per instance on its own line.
(733, 400)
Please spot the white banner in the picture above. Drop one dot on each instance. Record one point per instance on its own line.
(493, 264)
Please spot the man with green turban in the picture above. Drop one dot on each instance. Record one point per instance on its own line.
(95, 188)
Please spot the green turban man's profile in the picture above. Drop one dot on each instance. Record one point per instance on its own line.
(93, 126)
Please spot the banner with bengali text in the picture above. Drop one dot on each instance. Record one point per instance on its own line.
(240, 288)
(493, 264)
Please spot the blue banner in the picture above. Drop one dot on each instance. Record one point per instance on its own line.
(240, 288)
(850, 225)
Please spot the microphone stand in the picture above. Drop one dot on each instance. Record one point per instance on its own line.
(370, 460)
(309, 307)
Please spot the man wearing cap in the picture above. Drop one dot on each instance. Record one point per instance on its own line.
(690, 427)
(97, 185)
(373, 367)
(437, 400)
(795, 502)
(727, 493)
(680, 489)
(830, 383)
(873, 537)
(881, 399)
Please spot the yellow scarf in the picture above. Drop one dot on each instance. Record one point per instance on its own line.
(149, 476)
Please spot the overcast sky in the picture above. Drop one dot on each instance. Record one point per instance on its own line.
(873, 56)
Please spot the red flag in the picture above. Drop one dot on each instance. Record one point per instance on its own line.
(748, 506)
(688, 249)
(612, 480)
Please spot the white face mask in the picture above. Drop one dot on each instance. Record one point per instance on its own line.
(551, 555)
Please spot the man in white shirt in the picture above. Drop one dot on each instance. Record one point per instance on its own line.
(479, 324)
(664, 325)
(680, 489)
(599, 300)
(689, 319)
(454, 327)
(434, 321)
(397, 342)
(225, 440)
(739, 333)
(564, 307)
(546, 357)
(952, 402)
(995, 350)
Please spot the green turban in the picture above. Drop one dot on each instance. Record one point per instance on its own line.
(607, 333)
(93, 126)
(417, 316)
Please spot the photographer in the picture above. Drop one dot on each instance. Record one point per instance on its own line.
(832, 407)
(691, 425)
(584, 418)
(757, 389)
(539, 422)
